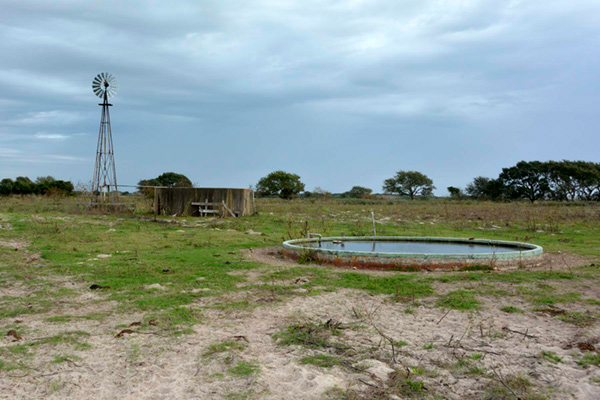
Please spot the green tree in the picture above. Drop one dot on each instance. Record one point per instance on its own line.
(6, 186)
(483, 188)
(280, 183)
(527, 179)
(478, 188)
(569, 180)
(44, 179)
(54, 187)
(358, 192)
(167, 179)
(172, 179)
(455, 193)
(23, 185)
(409, 183)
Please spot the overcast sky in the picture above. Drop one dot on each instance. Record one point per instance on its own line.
(342, 93)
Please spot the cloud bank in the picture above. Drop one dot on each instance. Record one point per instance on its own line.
(342, 93)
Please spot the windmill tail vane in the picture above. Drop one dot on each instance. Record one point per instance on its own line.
(104, 182)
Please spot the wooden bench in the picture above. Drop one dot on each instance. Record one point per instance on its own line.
(204, 210)
(217, 208)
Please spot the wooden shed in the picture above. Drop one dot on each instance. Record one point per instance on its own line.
(193, 201)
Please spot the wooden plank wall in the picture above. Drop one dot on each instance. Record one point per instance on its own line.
(178, 201)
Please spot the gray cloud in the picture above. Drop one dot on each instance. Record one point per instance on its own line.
(342, 93)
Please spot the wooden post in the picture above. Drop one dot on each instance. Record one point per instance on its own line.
(156, 205)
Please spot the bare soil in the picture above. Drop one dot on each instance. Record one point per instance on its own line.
(446, 350)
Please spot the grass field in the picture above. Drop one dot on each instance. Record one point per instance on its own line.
(178, 307)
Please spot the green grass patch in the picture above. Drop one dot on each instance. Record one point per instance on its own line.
(322, 360)
(511, 310)
(222, 347)
(65, 358)
(589, 359)
(73, 339)
(512, 386)
(176, 320)
(14, 311)
(401, 285)
(19, 349)
(11, 366)
(468, 367)
(244, 368)
(478, 268)
(577, 318)
(551, 356)
(462, 300)
(69, 318)
(405, 387)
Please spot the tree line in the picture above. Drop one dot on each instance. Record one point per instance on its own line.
(44, 185)
(532, 180)
(537, 180)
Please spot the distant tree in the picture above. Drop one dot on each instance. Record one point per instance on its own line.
(44, 179)
(280, 183)
(172, 179)
(409, 183)
(23, 185)
(483, 188)
(322, 193)
(358, 192)
(145, 189)
(6, 186)
(526, 180)
(55, 188)
(455, 193)
(588, 180)
(168, 179)
(569, 180)
(478, 188)
(537, 180)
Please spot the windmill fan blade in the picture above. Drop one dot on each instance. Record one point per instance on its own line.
(105, 83)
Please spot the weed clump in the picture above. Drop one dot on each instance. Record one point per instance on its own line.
(511, 310)
(312, 335)
(511, 387)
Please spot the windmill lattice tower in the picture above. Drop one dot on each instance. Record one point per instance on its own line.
(104, 183)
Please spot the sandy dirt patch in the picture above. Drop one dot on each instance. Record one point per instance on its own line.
(150, 364)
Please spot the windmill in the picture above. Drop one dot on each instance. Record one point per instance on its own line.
(104, 183)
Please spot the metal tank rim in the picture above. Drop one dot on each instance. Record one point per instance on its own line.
(523, 250)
